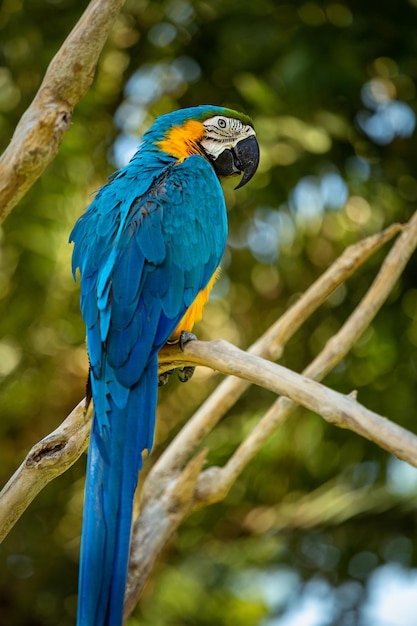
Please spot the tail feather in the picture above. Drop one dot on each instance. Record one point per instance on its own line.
(114, 459)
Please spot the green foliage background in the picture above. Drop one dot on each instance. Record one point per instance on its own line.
(320, 511)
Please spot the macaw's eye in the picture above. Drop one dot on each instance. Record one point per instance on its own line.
(222, 123)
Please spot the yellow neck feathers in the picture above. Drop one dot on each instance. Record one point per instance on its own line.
(182, 141)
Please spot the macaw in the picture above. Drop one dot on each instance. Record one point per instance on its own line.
(148, 249)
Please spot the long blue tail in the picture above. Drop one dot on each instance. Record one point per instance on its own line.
(115, 456)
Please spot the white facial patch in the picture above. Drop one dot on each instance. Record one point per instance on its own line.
(223, 132)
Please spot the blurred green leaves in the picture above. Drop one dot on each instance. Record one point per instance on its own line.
(313, 75)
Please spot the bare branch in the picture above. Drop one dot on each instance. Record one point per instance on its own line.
(40, 131)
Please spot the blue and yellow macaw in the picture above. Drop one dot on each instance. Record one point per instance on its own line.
(148, 249)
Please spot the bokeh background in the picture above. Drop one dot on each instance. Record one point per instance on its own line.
(321, 528)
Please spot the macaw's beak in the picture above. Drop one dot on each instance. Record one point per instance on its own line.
(244, 157)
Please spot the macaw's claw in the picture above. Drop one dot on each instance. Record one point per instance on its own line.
(185, 337)
(185, 373)
(163, 378)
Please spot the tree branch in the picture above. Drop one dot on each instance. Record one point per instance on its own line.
(39, 133)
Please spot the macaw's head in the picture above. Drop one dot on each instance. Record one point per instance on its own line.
(225, 137)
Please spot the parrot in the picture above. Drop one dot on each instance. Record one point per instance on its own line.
(148, 250)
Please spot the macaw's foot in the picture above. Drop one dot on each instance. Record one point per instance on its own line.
(185, 337)
(185, 373)
(163, 378)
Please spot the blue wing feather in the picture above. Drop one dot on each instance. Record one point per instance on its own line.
(145, 248)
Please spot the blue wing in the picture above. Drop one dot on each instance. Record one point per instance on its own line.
(149, 242)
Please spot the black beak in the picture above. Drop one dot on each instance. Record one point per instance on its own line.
(244, 157)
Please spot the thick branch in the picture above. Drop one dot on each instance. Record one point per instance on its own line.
(40, 131)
